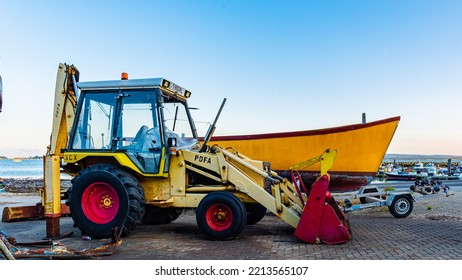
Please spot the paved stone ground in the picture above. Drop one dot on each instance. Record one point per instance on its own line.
(432, 232)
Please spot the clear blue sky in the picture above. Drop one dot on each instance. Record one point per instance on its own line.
(283, 65)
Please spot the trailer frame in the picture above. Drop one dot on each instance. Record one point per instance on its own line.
(400, 203)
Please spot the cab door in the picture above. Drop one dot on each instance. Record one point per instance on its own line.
(138, 133)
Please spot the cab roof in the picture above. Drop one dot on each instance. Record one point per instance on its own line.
(121, 84)
(167, 86)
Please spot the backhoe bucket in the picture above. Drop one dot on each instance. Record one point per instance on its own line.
(322, 221)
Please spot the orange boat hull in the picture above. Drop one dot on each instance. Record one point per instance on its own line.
(360, 150)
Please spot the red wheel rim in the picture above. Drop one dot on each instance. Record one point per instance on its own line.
(100, 203)
(219, 217)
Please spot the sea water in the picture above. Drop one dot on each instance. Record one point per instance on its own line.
(26, 168)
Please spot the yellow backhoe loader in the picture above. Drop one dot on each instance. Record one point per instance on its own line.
(132, 148)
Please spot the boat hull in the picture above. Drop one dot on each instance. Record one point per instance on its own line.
(360, 150)
(400, 177)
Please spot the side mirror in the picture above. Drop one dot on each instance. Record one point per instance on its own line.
(171, 142)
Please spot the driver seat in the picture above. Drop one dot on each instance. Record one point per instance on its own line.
(140, 138)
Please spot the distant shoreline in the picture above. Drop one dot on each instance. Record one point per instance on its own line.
(20, 157)
(28, 185)
(423, 158)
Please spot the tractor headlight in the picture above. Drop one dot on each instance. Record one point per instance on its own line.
(176, 88)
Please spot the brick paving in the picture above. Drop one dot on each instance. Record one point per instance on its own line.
(432, 232)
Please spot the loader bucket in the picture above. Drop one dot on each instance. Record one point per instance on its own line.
(322, 221)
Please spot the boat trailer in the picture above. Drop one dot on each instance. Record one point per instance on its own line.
(400, 203)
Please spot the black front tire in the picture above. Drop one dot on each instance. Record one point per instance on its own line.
(221, 216)
(103, 197)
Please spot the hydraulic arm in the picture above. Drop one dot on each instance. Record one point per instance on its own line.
(64, 108)
(315, 215)
(63, 117)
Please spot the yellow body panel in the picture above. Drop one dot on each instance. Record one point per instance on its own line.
(359, 150)
(121, 158)
(52, 197)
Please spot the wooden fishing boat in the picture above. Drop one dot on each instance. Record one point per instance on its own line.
(360, 150)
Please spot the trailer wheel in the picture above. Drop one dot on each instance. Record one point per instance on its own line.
(255, 212)
(221, 216)
(158, 216)
(401, 206)
(104, 197)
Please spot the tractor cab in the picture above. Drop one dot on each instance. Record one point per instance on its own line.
(137, 122)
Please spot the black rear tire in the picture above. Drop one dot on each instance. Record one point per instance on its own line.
(158, 216)
(255, 212)
(103, 197)
(221, 216)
